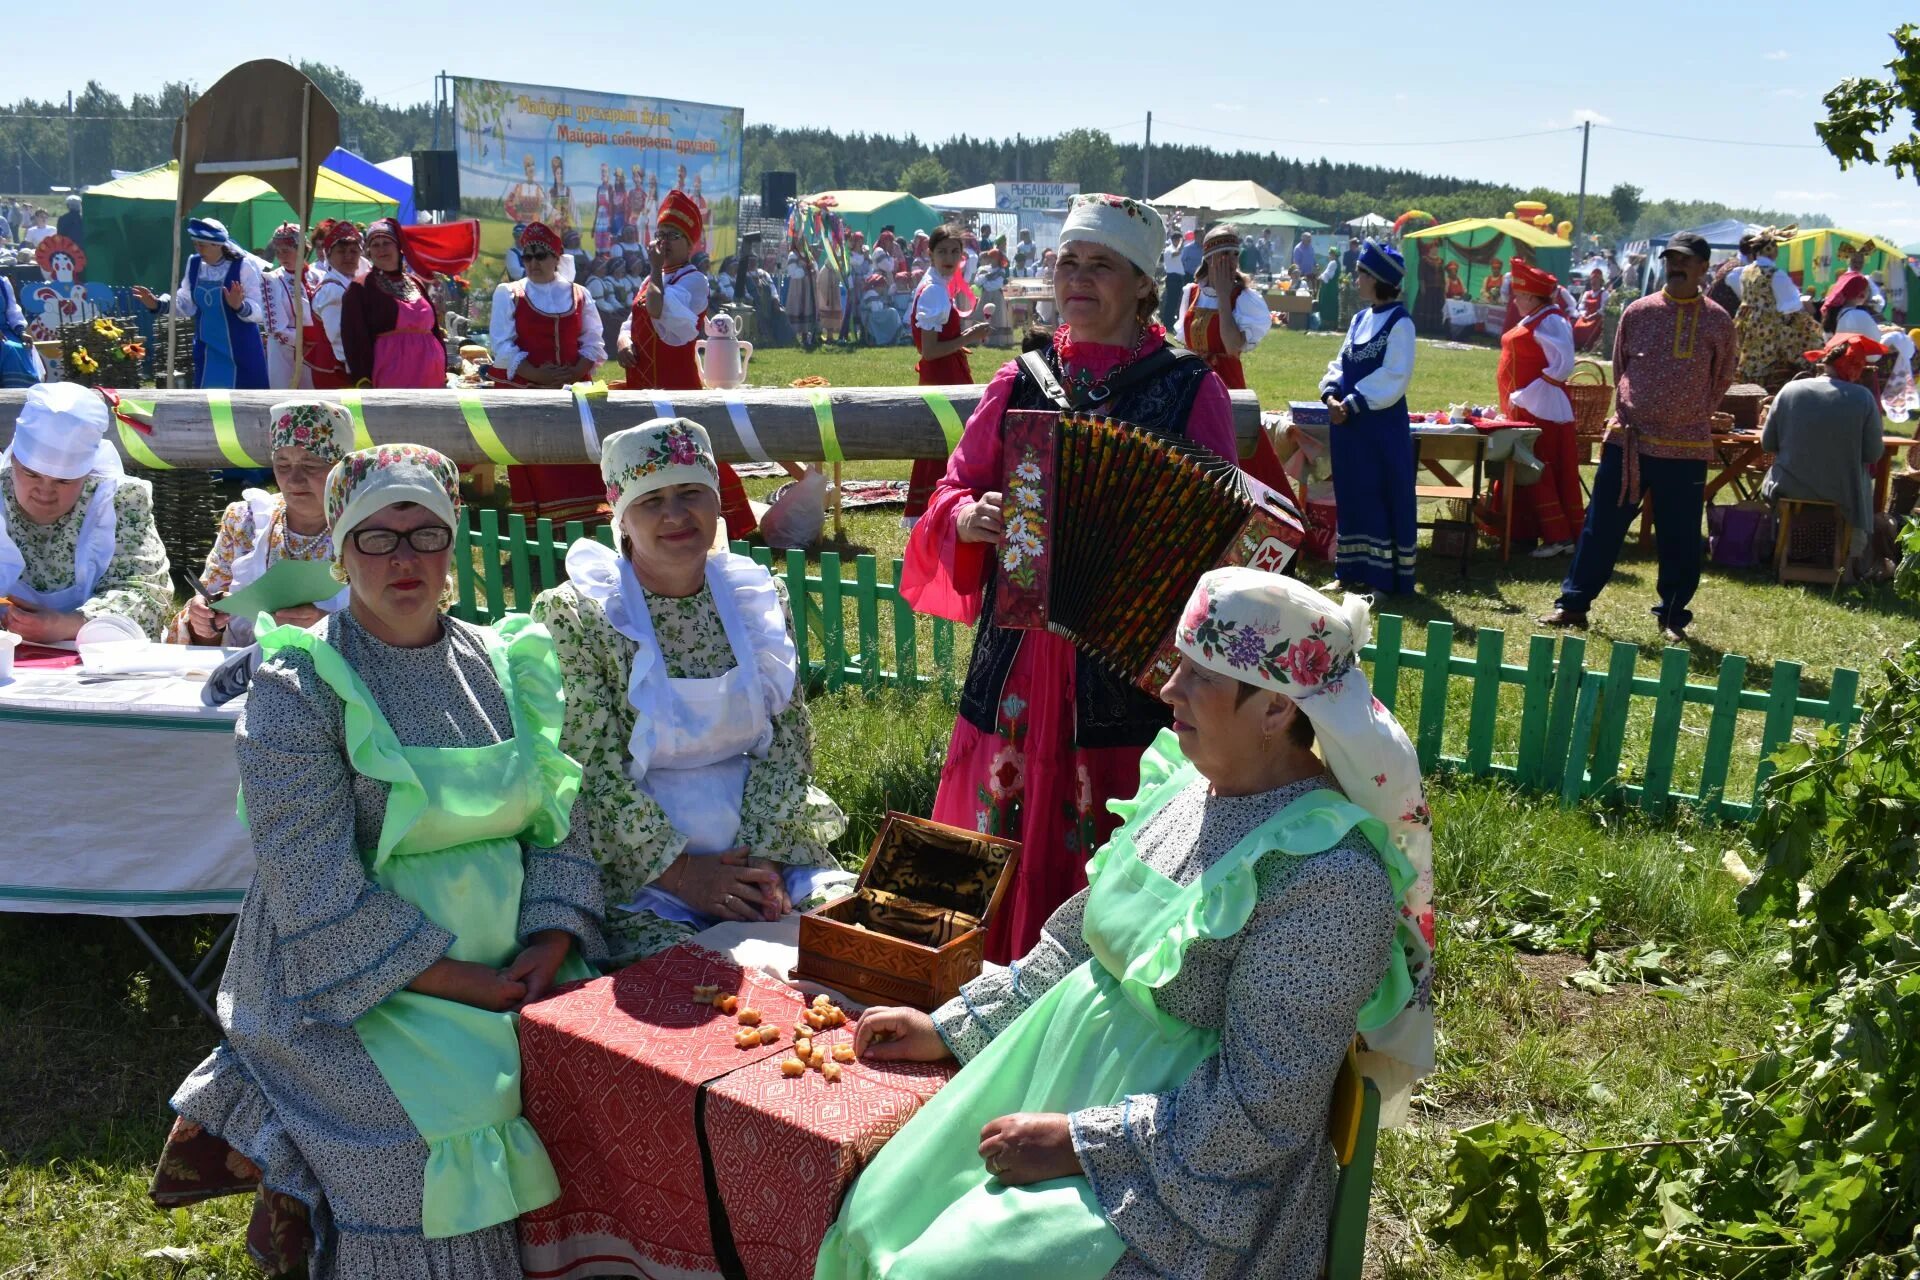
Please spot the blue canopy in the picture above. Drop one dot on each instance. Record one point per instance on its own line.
(1723, 237)
(367, 174)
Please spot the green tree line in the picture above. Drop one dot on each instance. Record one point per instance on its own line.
(40, 148)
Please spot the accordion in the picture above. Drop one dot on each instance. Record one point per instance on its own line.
(1108, 528)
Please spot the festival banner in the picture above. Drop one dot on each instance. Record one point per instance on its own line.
(591, 165)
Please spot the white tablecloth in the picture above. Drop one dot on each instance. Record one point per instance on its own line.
(119, 796)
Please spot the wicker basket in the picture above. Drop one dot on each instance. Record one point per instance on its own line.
(1592, 400)
(1747, 402)
(1720, 422)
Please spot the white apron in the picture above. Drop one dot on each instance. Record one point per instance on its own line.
(91, 555)
(694, 740)
(262, 507)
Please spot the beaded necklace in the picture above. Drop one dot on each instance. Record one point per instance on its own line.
(1086, 388)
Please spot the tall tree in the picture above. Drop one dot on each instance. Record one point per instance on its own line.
(1627, 201)
(1085, 156)
(925, 177)
(1860, 108)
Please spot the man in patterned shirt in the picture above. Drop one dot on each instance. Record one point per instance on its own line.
(1673, 360)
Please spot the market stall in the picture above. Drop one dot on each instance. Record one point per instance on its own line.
(1472, 245)
(1817, 256)
(1220, 196)
(1008, 208)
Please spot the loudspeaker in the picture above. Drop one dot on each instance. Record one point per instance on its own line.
(777, 190)
(436, 181)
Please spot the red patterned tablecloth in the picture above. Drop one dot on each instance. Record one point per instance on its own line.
(644, 1104)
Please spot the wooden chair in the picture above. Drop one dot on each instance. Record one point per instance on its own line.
(1353, 1126)
(1812, 545)
(1434, 450)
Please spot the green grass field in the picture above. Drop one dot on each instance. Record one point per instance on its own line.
(1529, 895)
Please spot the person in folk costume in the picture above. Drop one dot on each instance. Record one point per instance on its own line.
(1371, 441)
(322, 335)
(1221, 336)
(1146, 1093)
(388, 324)
(305, 438)
(1493, 288)
(706, 211)
(560, 215)
(1850, 307)
(603, 230)
(546, 332)
(286, 290)
(20, 364)
(1771, 325)
(527, 200)
(77, 537)
(1593, 312)
(941, 333)
(1536, 357)
(656, 344)
(1045, 735)
(618, 208)
(221, 293)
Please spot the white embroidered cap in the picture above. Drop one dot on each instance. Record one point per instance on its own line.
(61, 432)
(654, 455)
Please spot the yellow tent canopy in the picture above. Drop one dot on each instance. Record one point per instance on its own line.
(1525, 233)
(1818, 255)
(1472, 244)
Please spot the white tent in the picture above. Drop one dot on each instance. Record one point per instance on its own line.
(400, 167)
(1221, 195)
(973, 199)
(1008, 208)
(1368, 222)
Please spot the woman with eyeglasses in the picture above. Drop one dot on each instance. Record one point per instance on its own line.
(422, 873)
(390, 328)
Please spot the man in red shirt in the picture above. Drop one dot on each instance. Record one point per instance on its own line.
(1673, 360)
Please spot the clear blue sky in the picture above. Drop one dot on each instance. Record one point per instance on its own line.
(1438, 74)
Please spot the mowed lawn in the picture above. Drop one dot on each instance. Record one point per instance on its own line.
(93, 1039)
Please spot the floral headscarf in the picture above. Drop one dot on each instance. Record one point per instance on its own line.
(1278, 633)
(321, 427)
(654, 455)
(371, 480)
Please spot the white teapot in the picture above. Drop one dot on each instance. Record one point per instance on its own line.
(723, 357)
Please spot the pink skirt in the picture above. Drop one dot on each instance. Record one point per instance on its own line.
(409, 358)
(1028, 782)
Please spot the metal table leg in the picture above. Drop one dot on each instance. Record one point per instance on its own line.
(191, 985)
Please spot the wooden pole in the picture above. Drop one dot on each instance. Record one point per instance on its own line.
(173, 280)
(203, 430)
(304, 215)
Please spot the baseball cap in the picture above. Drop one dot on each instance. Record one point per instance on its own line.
(1688, 242)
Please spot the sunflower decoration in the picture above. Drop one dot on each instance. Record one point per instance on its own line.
(81, 361)
(103, 352)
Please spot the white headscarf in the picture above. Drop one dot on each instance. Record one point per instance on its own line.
(61, 432)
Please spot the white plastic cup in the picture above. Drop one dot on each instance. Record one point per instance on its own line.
(8, 643)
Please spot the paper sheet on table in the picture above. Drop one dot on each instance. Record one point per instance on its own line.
(286, 584)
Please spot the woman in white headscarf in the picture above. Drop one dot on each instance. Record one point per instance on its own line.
(685, 708)
(1145, 1093)
(77, 539)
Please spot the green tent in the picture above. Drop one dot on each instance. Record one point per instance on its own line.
(1473, 243)
(868, 211)
(130, 220)
(1274, 218)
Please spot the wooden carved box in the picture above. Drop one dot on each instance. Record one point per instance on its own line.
(915, 926)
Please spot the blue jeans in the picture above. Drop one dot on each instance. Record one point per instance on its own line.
(1677, 487)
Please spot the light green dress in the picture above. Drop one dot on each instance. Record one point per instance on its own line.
(926, 1209)
(450, 844)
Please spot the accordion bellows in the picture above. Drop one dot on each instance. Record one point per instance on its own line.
(1108, 527)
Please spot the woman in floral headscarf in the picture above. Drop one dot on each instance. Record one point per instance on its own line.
(1145, 1093)
(422, 873)
(304, 439)
(685, 708)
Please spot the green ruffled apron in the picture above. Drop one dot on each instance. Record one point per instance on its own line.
(451, 845)
(926, 1209)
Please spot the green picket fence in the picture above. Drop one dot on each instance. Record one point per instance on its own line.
(1548, 725)
(500, 570)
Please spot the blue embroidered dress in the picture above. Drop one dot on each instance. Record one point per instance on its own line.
(1372, 451)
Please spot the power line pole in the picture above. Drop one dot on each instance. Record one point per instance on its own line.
(1580, 209)
(1146, 162)
(70, 182)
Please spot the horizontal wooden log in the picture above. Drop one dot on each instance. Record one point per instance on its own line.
(204, 430)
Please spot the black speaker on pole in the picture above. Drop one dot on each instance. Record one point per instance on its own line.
(777, 190)
(436, 181)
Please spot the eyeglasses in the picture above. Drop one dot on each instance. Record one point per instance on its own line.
(428, 538)
(534, 255)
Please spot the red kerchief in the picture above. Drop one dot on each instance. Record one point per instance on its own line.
(1848, 353)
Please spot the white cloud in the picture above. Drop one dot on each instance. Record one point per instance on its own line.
(1583, 115)
(1805, 196)
(1322, 101)
(1778, 55)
